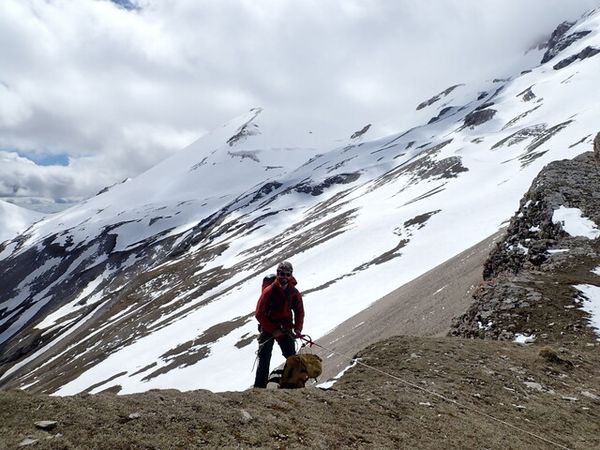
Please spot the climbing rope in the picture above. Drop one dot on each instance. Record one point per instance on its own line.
(308, 341)
(262, 344)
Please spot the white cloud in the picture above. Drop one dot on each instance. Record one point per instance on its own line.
(13, 109)
(120, 90)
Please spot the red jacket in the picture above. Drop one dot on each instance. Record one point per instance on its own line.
(279, 308)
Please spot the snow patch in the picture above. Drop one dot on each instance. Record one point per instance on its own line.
(523, 338)
(557, 250)
(8, 250)
(574, 223)
(440, 290)
(51, 319)
(328, 384)
(590, 296)
(14, 220)
(24, 387)
(487, 326)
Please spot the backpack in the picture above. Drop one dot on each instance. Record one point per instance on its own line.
(298, 370)
(267, 281)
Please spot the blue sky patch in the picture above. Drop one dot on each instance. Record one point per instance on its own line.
(47, 159)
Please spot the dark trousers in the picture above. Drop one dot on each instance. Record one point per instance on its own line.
(265, 348)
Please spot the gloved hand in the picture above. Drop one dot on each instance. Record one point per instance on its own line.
(297, 334)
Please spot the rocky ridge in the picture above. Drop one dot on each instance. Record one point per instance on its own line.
(531, 274)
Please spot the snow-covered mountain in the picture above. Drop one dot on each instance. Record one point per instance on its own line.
(153, 283)
(15, 220)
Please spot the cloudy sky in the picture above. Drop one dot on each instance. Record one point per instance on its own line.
(92, 92)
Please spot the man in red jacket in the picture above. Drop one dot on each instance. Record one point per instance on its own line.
(280, 314)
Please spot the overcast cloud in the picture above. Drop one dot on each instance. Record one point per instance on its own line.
(118, 90)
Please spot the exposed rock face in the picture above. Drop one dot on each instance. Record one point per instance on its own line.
(527, 94)
(343, 178)
(531, 273)
(561, 40)
(437, 97)
(426, 166)
(478, 117)
(248, 129)
(520, 135)
(516, 119)
(560, 183)
(587, 52)
(558, 33)
(597, 147)
(539, 133)
(108, 188)
(443, 112)
(360, 132)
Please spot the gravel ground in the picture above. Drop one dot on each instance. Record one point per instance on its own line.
(393, 403)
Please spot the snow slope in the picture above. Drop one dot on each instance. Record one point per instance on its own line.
(15, 220)
(152, 284)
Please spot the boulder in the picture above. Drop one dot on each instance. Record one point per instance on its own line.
(46, 425)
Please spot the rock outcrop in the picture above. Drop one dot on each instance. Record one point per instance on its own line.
(587, 52)
(478, 117)
(560, 40)
(360, 132)
(437, 97)
(530, 276)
